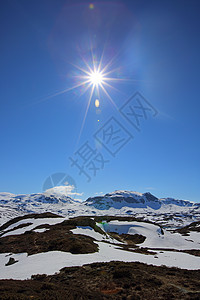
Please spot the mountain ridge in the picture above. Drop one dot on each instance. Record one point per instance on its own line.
(115, 203)
(127, 198)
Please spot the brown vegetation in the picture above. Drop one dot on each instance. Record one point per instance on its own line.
(29, 216)
(114, 280)
(57, 237)
(195, 226)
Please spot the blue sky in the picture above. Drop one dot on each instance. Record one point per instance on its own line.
(152, 47)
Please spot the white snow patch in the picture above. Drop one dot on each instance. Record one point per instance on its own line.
(154, 237)
(89, 231)
(40, 230)
(51, 262)
(35, 223)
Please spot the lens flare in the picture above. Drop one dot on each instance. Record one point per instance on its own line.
(97, 103)
(91, 6)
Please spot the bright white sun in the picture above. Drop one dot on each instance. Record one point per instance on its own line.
(96, 78)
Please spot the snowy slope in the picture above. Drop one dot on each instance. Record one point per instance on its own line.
(155, 237)
(51, 262)
(109, 249)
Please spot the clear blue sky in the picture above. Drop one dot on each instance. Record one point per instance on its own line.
(153, 46)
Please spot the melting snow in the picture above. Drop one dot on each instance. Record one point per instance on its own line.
(35, 223)
(154, 237)
(51, 262)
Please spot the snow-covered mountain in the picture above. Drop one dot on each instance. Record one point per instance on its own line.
(119, 199)
(34, 199)
(12, 205)
(145, 206)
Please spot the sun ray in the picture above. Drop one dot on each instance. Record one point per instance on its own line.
(62, 92)
(103, 88)
(111, 71)
(86, 88)
(109, 64)
(88, 105)
(101, 59)
(98, 93)
(121, 79)
(114, 88)
(86, 63)
(81, 69)
(93, 57)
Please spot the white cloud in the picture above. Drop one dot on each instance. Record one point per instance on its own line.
(150, 188)
(66, 190)
(100, 193)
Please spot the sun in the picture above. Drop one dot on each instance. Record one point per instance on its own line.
(96, 78)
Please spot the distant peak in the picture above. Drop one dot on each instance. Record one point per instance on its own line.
(123, 193)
